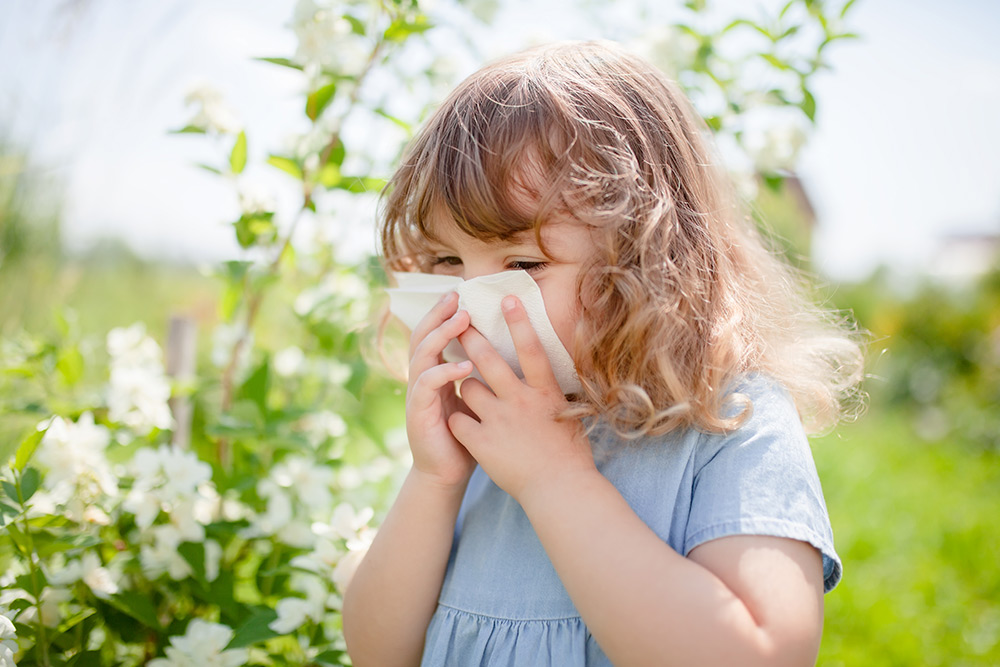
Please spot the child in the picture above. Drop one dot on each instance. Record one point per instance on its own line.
(667, 514)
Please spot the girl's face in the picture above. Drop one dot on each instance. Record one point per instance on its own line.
(570, 246)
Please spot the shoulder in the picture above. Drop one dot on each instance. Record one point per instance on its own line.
(760, 479)
(771, 423)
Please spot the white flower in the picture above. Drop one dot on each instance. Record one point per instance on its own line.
(144, 505)
(310, 482)
(162, 556)
(175, 480)
(90, 570)
(183, 473)
(320, 426)
(139, 390)
(776, 147)
(349, 477)
(131, 347)
(347, 522)
(297, 534)
(289, 361)
(293, 613)
(137, 398)
(73, 453)
(348, 565)
(213, 557)
(256, 199)
(7, 644)
(326, 39)
(212, 112)
(203, 645)
(323, 557)
(52, 597)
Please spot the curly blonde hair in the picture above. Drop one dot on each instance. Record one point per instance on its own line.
(683, 297)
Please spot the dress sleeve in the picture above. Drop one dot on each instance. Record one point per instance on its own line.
(761, 480)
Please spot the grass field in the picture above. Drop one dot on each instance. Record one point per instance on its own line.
(916, 525)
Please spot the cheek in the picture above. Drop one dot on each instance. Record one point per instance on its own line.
(563, 313)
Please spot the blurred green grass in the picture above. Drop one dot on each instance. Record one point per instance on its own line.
(915, 522)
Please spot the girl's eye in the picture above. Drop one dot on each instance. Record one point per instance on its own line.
(530, 267)
(449, 260)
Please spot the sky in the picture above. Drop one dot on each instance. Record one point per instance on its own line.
(904, 152)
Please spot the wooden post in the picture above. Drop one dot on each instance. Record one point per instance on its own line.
(182, 340)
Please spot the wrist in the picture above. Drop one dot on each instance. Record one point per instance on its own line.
(570, 483)
(430, 483)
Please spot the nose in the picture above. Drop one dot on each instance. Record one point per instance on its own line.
(473, 269)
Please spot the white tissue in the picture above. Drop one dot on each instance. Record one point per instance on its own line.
(419, 292)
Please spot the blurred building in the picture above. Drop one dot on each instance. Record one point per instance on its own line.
(961, 259)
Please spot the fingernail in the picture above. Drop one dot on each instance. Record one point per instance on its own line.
(465, 365)
(509, 303)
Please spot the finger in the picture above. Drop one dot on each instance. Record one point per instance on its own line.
(425, 388)
(428, 351)
(464, 428)
(441, 311)
(475, 395)
(497, 373)
(531, 354)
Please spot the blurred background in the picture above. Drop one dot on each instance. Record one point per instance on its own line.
(878, 171)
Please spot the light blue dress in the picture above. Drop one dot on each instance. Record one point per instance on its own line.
(502, 603)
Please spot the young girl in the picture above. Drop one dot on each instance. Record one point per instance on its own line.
(667, 514)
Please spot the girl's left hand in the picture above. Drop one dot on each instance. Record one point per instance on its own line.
(517, 439)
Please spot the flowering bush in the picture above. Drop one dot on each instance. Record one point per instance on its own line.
(216, 517)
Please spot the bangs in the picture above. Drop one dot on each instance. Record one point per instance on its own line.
(493, 161)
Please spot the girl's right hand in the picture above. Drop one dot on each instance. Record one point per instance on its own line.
(431, 397)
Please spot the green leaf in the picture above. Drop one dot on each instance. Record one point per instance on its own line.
(329, 176)
(189, 129)
(208, 167)
(788, 33)
(749, 24)
(76, 618)
(320, 99)
(784, 10)
(8, 510)
(336, 155)
(284, 62)
(11, 491)
(27, 448)
(69, 365)
(401, 28)
(30, 481)
(86, 658)
(238, 158)
(254, 389)
(361, 184)
(137, 606)
(846, 8)
(774, 60)
(255, 228)
(808, 105)
(330, 657)
(357, 26)
(407, 127)
(773, 181)
(232, 295)
(194, 554)
(286, 164)
(714, 122)
(255, 629)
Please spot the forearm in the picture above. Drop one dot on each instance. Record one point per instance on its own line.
(392, 597)
(643, 602)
